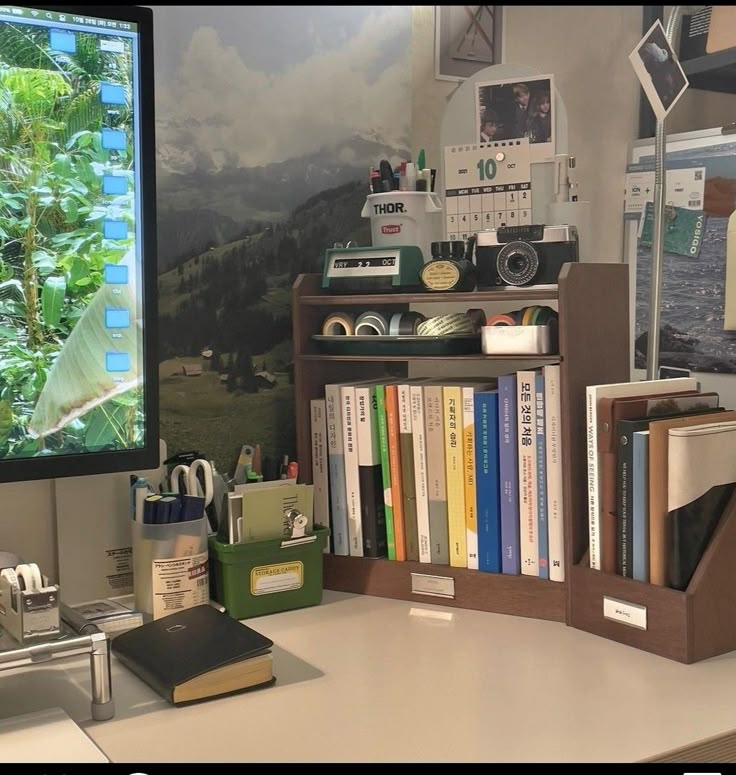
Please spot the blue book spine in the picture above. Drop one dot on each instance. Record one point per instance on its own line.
(640, 506)
(542, 532)
(508, 474)
(486, 482)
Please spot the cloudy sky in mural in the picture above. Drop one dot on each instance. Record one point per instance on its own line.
(244, 87)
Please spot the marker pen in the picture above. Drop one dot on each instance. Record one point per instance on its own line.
(572, 179)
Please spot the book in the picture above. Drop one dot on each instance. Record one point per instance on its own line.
(640, 506)
(487, 481)
(593, 394)
(196, 654)
(436, 488)
(454, 476)
(527, 454)
(610, 411)
(553, 438)
(336, 460)
(508, 474)
(408, 483)
(658, 479)
(419, 441)
(352, 474)
(372, 507)
(394, 458)
(701, 482)
(540, 422)
(319, 462)
(385, 470)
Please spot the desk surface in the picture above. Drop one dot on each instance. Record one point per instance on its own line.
(362, 679)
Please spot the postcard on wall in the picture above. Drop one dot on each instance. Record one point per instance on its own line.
(515, 108)
(659, 71)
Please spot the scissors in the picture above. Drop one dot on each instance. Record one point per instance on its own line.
(192, 483)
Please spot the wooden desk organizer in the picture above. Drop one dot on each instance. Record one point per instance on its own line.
(685, 626)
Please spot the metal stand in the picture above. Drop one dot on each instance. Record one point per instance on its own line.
(660, 190)
(68, 644)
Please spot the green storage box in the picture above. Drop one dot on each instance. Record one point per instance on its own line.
(262, 577)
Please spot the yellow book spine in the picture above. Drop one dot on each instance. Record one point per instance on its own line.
(471, 511)
(452, 400)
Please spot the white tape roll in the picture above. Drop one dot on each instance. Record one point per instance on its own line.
(31, 576)
(371, 324)
(10, 576)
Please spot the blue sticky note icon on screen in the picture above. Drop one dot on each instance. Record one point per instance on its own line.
(117, 362)
(117, 317)
(113, 140)
(63, 41)
(115, 230)
(116, 274)
(114, 184)
(112, 94)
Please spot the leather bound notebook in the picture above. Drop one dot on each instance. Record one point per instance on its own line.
(701, 481)
(658, 482)
(610, 411)
(196, 654)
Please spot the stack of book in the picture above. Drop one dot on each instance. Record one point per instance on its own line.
(661, 469)
(465, 473)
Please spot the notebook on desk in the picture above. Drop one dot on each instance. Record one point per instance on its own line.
(196, 654)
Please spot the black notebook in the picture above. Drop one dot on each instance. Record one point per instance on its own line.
(196, 654)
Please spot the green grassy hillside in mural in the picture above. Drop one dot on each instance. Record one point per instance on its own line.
(233, 303)
(56, 396)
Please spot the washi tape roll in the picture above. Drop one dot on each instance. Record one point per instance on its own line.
(338, 324)
(500, 320)
(371, 324)
(517, 315)
(405, 323)
(10, 576)
(30, 575)
(442, 325)
(526, 319)
(542, 316)
(478, 318)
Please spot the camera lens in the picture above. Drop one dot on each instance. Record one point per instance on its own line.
(517, 263)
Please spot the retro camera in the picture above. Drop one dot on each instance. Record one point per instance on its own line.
(524, 255)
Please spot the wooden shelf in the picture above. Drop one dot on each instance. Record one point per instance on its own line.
(477, 357)
(493, 592)
(312, 295)
(713, 72)
(593, 349)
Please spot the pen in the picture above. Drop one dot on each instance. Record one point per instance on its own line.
(138, 494)
(572, 178)
(284, 470)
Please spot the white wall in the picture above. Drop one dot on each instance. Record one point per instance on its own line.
(587, 49)
(28, 523)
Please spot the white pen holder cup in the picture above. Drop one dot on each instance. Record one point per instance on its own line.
(404, 218)
(170, 567)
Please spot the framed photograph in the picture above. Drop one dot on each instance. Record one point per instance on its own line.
(467, 38)
(515, 108)
(658, 70)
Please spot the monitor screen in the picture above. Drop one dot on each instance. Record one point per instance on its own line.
(78, 388)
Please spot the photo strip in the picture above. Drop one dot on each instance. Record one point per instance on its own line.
(515, 108)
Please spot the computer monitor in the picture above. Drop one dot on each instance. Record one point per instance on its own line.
(78, 369)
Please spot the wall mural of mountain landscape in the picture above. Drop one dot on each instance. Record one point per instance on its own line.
(268, 119)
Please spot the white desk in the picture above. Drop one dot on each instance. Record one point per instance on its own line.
(360, 679)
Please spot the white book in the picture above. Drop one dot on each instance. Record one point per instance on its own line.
(553, 451)
(320, 463)
(419, 444)
(471, 504)
(615, 390)
(527, 452)
(336, 458)
(352, 477)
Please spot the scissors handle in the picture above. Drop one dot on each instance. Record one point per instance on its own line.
(176, 474)
(193, 482)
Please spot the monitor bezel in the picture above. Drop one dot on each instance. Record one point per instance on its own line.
(147, 457)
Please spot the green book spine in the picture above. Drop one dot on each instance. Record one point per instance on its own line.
(385, 470)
